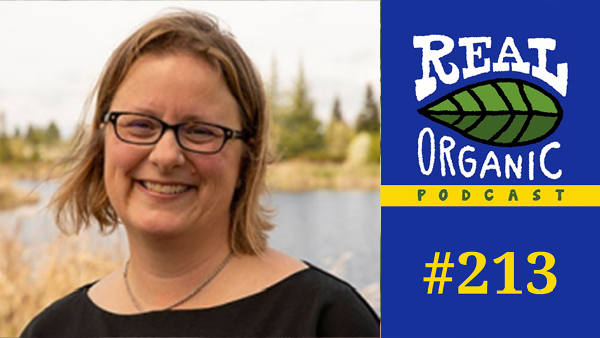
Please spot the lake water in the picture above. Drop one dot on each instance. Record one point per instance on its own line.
(337, 231)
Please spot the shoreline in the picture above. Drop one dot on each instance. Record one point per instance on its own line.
(306, 176)
(289, 176)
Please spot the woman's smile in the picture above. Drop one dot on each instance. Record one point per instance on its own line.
(165, 188)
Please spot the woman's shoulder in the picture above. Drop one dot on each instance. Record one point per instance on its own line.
(320, 285)
(72, 302)
(335, 306)
(55, 317)
(292, 273)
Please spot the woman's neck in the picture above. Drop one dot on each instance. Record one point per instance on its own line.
(162, 271)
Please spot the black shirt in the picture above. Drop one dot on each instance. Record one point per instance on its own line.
(310, 303)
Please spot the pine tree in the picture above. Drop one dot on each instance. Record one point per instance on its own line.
(338, 134)
(274, 105)
(33, 136)
(52, 134)
(368, 118)
(337, 111)
(6, 154)
(273, 85)
(300, 130)
(3, 123)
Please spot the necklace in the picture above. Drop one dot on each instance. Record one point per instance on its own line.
(184, 299)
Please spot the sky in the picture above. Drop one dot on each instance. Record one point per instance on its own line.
(51, 53)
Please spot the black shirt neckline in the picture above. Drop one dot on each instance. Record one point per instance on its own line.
(85, 289)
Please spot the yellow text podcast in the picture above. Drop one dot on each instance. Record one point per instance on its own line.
(490, 195)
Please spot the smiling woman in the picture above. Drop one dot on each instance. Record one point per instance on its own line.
(177, 154)
(170, 187)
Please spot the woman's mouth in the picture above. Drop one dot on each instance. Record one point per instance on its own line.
(171, 189)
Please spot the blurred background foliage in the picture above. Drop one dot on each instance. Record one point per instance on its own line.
(297, 136)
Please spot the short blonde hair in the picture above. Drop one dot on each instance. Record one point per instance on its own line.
(82, 199)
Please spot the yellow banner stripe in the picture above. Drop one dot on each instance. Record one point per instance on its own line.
(490, 195)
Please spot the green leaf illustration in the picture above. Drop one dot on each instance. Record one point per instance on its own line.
(499, 112)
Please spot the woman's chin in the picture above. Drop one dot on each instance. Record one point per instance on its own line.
(157, 228)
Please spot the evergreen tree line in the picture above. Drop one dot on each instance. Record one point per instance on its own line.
(297, 133)
(28, 146)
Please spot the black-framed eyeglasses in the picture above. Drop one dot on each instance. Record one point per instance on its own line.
(197, 137)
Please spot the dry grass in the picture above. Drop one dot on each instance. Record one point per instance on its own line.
(40, 170)
(34, 276)
(31, 280)
(12, 197)
(303, 176)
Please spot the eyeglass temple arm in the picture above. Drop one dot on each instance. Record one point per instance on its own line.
(106, 117)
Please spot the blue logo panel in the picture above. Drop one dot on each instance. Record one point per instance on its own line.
(490, 168)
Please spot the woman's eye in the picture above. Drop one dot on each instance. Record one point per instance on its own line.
(202, 131)
(199, 131)
(140, 124)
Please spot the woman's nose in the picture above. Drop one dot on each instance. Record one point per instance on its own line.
(166, 153)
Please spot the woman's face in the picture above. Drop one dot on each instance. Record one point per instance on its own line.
(162, 189)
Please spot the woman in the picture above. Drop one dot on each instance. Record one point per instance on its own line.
(177, 155)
